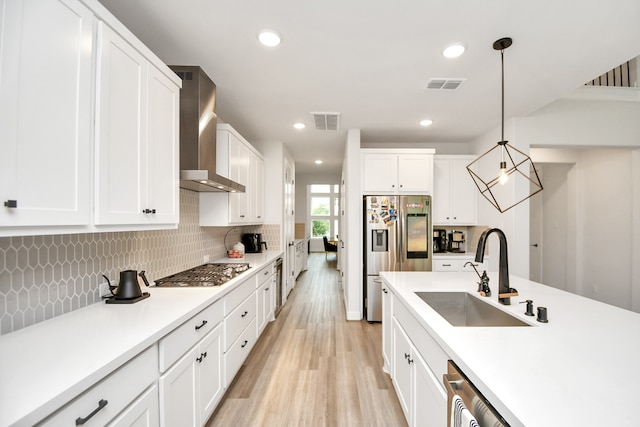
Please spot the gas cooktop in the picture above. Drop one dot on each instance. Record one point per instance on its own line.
(204, 275)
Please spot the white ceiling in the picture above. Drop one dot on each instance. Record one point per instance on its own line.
(370, 60)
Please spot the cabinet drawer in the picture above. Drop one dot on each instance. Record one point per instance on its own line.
(264, 275)
(111, 395)
(238, 320)
(238, 295)
(447, 265)
(239, 351)
(144, 412)
(176, 343)
(428, 348)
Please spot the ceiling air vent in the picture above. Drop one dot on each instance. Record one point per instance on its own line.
(326, 121)
(444, 83)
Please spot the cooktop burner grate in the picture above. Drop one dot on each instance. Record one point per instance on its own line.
(204, 275)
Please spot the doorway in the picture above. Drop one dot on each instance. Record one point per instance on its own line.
(552, 258)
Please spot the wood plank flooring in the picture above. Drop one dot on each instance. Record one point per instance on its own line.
(311, 367)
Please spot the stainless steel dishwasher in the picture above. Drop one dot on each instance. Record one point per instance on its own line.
(278, 286)
(456, 383)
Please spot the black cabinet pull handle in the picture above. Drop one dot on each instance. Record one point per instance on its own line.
(409, 361)
(244, 344)
(11, 204)
(101, 404)
(385, 290)
(202, 356)
(266, 289)
(406, 356)
(204, 322)
(245, 313)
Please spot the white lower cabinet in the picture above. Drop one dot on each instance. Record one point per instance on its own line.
(144, 412)
(104, 401)
(421, 396)
(265, 297)
(457, 264)
(192, 387)
(387, 328)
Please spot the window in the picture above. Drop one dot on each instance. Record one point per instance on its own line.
(324, 210)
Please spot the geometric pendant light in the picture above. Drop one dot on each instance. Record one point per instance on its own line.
(503, 171)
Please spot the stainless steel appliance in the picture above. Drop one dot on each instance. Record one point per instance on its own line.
(455, 242)
(198, 131)
(457, 384)
(278, 287)
(214, 274)
(439, 241)
(397, 236)
(253, 243)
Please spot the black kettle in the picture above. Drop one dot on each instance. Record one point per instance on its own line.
(128, 286)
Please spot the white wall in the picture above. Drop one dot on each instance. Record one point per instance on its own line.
(352, 228)
(514, 222)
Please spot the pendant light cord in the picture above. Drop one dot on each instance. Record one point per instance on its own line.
(502, 61)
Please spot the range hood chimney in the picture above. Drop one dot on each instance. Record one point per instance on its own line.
(198, 126)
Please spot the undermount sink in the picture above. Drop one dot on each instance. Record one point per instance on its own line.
(463, 309)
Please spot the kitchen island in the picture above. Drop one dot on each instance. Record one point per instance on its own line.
(46, 365)
(580, 368)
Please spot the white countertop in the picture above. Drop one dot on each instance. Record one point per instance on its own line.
(46, 365)
(582, 368)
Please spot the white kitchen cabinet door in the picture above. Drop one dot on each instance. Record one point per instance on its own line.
(387, 328)
(143, 412)
(441, 192)
(120, 131)
(45, 117)
(402, 370)
(397, 173)
(429, 396)
(210, 373)
(162, 153)
(380, 173)
(179, 404)
(415, 173)
(464, 201)
(455, 196)
(239, 202)
(256, 189)
(262, 303)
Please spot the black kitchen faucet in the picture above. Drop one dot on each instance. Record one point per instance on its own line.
(504, 291)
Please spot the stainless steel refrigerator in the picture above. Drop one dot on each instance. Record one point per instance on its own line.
(398, 236)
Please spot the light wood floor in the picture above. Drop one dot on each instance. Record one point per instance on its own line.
(311, 367)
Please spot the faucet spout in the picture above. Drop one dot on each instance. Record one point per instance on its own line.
(504, 291)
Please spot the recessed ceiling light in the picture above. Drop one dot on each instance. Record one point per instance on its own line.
(318, 162)
(299, 125)
(454, 50)
(426, 122)
(269, 38)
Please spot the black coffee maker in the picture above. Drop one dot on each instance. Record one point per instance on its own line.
(253, 243)
(439, 241)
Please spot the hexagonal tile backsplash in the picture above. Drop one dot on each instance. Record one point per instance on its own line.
(46, 276)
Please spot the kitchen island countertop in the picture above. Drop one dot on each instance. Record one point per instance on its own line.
(45, 365)
(581, 368)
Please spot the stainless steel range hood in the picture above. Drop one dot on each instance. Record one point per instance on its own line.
(198, 123)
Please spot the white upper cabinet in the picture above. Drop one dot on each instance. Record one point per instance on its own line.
(163, 148)
(136, 137)
(397, 171)
(257, 189)
(120, 130)
(239, 161)
(455, 195)
(88, 123)
(45, 113)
